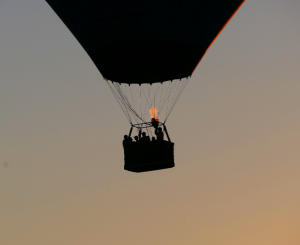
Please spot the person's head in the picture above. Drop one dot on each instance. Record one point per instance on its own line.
(160, 129)
(136, 138)
(153, 138)
(125, 137)
(144, 134)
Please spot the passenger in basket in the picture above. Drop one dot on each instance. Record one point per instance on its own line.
(125, 139)
(145, 138)
(159, 134)
(136, 138)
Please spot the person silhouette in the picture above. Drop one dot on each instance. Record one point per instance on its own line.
(125, 139)
(159, 134)
(145, 138)
(136, 138)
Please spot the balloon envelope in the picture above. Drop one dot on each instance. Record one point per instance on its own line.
(145, 41)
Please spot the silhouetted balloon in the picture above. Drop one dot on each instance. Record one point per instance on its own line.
(145, 50)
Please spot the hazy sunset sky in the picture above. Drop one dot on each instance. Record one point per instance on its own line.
(236, 130)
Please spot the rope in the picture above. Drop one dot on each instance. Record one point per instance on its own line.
(136, 100)
(176, 99)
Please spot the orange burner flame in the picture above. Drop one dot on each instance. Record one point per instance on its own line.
(153, 113)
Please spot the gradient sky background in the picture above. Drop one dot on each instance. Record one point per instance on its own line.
(236, 129)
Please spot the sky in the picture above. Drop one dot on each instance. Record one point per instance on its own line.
(236, 130)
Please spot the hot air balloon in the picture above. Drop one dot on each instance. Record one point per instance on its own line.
(146, 51)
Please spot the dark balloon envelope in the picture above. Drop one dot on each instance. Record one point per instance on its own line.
(145, 41)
